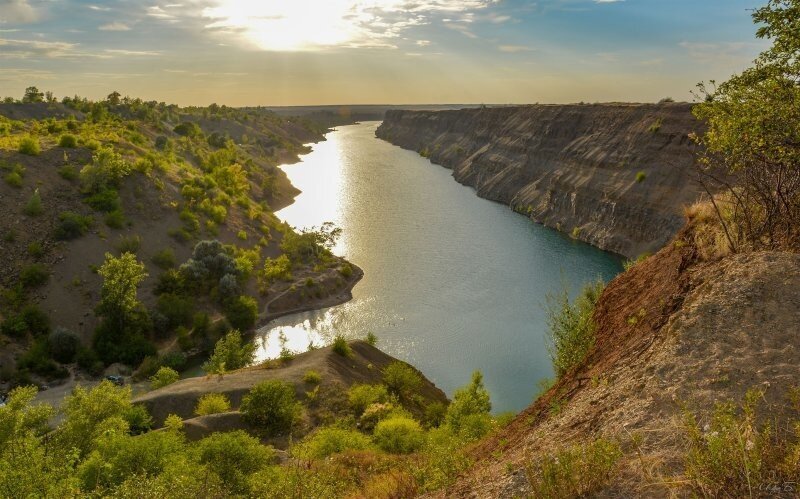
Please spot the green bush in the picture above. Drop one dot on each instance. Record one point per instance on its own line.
(35, 249)
(470, 400)
(36, 319)
(328, 441)
(37, 359)
(115, 219)
(212, 403)
(30, 146)
(234, 457)
(279, 268)
(88, 361)
(572, 327)
(68, 141)
(402, 379)
(242, 312)
(230, 354)
(72, 225)
(341, 347)
(363, 396)
(178, 309)
(34, 207)
(129, 244)
(63, 345)
(164, 259)
(580, 471)
(371, 338)
(34, 275)
(163, 377)
(270, 407)
(312, 378)
(399, 435)
(68, 172)
(14, 179)
(641, 177)
(346, 270)
(106, 200)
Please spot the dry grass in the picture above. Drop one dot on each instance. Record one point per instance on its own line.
(709, 234)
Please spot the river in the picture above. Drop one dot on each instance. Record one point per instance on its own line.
(453, 283)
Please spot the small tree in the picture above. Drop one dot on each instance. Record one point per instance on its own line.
(271, 407)
(121, 279)
(230, 354)
(163, 377)
(32, 94)
(212, 403)
(470, 400)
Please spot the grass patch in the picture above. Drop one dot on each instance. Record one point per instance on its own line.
(571, 326)
(578, 471)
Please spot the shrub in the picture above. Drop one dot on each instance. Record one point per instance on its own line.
(68, 172)
(399, 435)
(346, 270)
(571, 327)
(115, 219)
(401, 379)
(72, 225)
(234, 457)
(36, 319)
(35, 249)
(34, 275)
(371, 338)
(138, 419)
(163, 377)
(341, 347)
(363, 396)
(14, 179)
(187, 129)
(328, 441)
(641, 177)
(270, 407)
(242, 235)
(212, 403)
(178, 310)
(130, 244)
(470, 400)
(579, 471)
(174, 359)
(106, 200)
(435, 414)
(88, 361)
(312, 378)
(30, 146)
(37, 359)
(277, 269)
(34, 208)
(164, 259)
(68, 141)
(242, 312)
(230, 354)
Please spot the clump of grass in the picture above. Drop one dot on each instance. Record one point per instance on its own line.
(641, 177)
(129, 244)
(656, 126)
(571, 326)
(341, 347)
(68, 141)
(68, 172)
(312, 377)
(34, 206)
(577, 471)
(371, 338)
(212, 403)
(164, 259)
(29, 146)
(72, 225)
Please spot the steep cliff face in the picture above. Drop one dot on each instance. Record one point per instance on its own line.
(613, 175)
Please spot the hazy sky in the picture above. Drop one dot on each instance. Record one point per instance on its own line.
(294, 52)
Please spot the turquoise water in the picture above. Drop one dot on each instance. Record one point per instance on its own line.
(453, 283)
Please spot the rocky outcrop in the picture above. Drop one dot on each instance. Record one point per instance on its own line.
(613, 175)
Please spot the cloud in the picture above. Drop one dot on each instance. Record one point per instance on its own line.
(18, 12)
(115, 26)
(299, 25)
(135, 53)
(513, 49)
(22, 49)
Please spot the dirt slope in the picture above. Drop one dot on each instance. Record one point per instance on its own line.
(613, 175)
(671, 331)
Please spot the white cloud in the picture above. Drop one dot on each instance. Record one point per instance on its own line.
(297, 25)
(115, 26)
(513, 49)
(18, 12)
(21, 49)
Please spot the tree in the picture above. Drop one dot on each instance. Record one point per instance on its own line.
(230, 354)
(470, 400)
(309, 245)
(32, 94)
(114, 98)
(163, 377)
(121, 279)
(271, 407)
(752, 142)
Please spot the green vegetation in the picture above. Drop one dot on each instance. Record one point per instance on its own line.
(242, 312)
(230, 354)
(63, 345)
(341, 347)
(212, 403)
(68, 141)
(29, 146)
(72, 225)
(640, 177)
(401, 379)
(572, 327)
(164, 259)
(34, 208)
(328, 441)
(363, 396)
(34, 275)
(275, 269)
(371, 338)
(578, 471)
(399, 435)
(270, 407)
(163, 377)
(312, 378)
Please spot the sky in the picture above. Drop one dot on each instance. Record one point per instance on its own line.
(315, 52)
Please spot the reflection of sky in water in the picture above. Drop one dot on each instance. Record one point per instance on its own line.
(453, 283)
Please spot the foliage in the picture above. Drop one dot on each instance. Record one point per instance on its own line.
(275, 269)
(34, 275)
(372, 339)
(234, 456)
(402, 379)
(230, 354)
(121, 278)
(363, 396)
(72, 225)
(63, 345)
(331, 440)
(578, 471)
(310, 245)
(34, 208)
(572, 327)
(163, 377)
(468, 402)
(752, 141)
(312, 377)
(242, 312)
(212, 403)
(105, 200)
(29, 146)
(341, 347)
(106, 171)
(270, 407)
(399, 435)
(164, 259)
(68, 141)
(641, 177)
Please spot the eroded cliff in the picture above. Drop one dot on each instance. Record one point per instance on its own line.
(613, 175)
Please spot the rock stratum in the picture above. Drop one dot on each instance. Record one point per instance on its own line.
(613, 175)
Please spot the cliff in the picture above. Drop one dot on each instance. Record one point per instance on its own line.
(613, 175)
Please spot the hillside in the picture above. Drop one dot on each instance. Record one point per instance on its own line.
(613, 175)
(85, 179)
(676, 336)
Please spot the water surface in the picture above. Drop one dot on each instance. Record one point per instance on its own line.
(453, 283)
